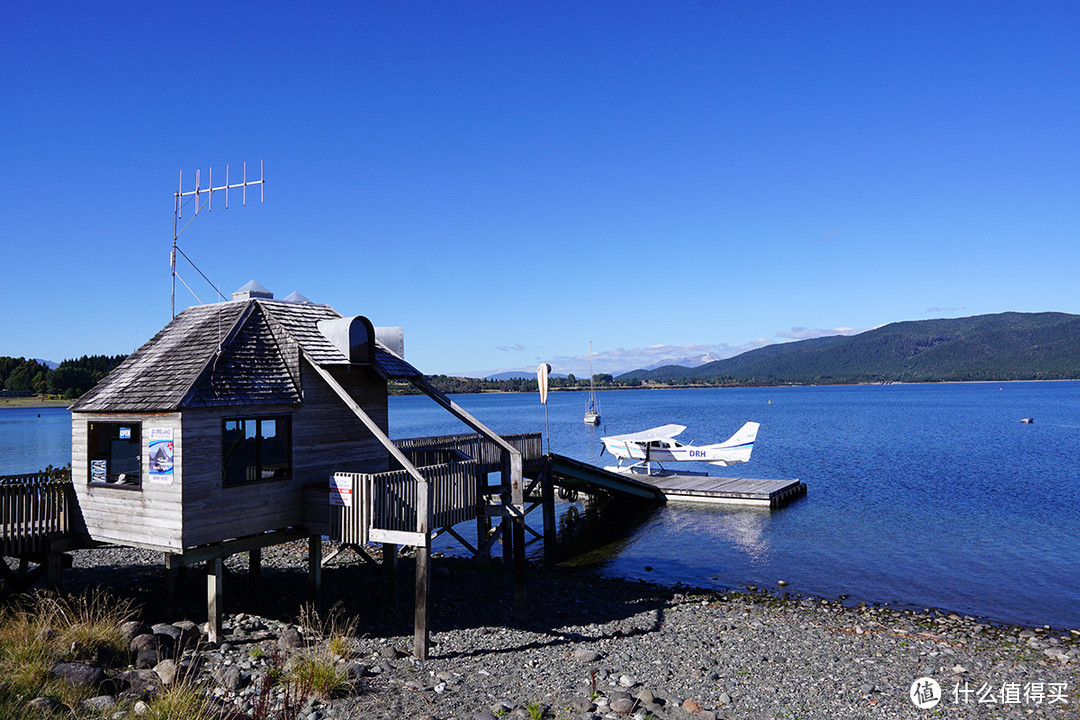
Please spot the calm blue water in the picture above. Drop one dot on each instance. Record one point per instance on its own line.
(919, 495)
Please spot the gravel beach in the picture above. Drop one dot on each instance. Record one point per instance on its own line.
(603, 648)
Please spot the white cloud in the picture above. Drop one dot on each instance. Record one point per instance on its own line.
(802, 333)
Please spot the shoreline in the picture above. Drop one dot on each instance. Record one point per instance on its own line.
(599, 647)
(33, 402)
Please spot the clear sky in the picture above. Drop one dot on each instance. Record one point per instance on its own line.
(510, 180)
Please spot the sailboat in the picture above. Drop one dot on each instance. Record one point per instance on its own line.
(592, 411)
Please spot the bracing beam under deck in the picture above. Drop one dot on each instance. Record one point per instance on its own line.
(513, 502)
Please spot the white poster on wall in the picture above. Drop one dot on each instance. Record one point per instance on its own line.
(161, 456)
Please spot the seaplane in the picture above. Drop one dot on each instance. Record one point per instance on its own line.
(645, 452)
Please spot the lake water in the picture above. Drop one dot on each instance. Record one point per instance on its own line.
(919, 495)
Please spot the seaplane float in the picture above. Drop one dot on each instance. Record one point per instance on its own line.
(644, 452)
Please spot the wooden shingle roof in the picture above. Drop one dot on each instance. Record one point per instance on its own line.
(226, 354)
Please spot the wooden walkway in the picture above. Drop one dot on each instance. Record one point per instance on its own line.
(726, 490)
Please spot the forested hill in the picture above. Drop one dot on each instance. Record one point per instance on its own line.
(1007, 346)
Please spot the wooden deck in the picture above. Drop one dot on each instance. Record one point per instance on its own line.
(726, 490)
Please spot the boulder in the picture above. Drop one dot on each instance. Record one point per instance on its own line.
(290, 639)
(47, 705)
(142, 683)
(167, 671)
(133, 628)
(143, 641)
(168, 634)
(78, 674)
(99, 704)
(147, 659)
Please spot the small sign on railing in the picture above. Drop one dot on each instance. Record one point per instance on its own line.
(341, 490)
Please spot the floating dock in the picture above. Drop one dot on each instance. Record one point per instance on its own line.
(675, 487)
(726, 490)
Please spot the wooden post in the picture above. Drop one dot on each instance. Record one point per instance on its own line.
(255, 568)
(54, 563)
(215, 569)
(390, 565)
(513, 464)
(547, 495)
(424, 508)
(483, 521)
(314, 568)
(172, 570)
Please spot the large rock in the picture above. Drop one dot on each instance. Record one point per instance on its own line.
(167, 671)
(99, 704)
(78, 674)
(143, 683)
(147, 659)
(290, 639)
(168, 634)
(189, 634)
(133, 628)
(47, 705)
(141, 642)
(230, 678)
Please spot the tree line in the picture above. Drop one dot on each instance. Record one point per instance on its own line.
(69, 379)
(602, 381)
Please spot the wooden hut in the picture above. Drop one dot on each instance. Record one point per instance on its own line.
(201, 442)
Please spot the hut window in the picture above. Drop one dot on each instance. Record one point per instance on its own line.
(116, 453)
(257, 449)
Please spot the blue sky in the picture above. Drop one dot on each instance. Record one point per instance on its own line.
(509, 181)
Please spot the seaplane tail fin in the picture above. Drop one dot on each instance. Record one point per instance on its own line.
(737, 448)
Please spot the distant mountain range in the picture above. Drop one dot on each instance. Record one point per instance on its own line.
(688, 362)
(1005, 346)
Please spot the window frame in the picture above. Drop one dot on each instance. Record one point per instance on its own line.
(95, 426)
(284, 424)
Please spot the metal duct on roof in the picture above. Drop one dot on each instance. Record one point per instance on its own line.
(354, 337)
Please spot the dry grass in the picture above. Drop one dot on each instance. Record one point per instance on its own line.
(318, 668)
(38, 630)
(88, 621)
(181, 701)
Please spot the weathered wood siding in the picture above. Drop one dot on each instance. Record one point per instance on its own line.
(196, 509)
(150, 516)
(326, 437)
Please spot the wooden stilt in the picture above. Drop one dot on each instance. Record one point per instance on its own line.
(54, 563)
(172, 571)
(483, 522)
(512, 469)
(423, 592)
(254, 568)
(215, 570)
(547, 494)
(425, 496)
(314, 568)
(390, 565)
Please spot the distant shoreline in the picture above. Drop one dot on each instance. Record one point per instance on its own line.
(33, 402)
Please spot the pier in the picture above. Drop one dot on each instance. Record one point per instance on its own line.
(672, 486)
(726, 490)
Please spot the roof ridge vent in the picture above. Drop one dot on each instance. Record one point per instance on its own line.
(295, 297)
(252, 290)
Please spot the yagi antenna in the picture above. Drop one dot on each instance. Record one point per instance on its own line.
(208, 193)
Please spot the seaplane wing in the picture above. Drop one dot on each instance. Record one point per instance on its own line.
(664, 432)
(658, 446)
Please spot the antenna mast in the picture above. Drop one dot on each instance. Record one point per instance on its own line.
(198, 193)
